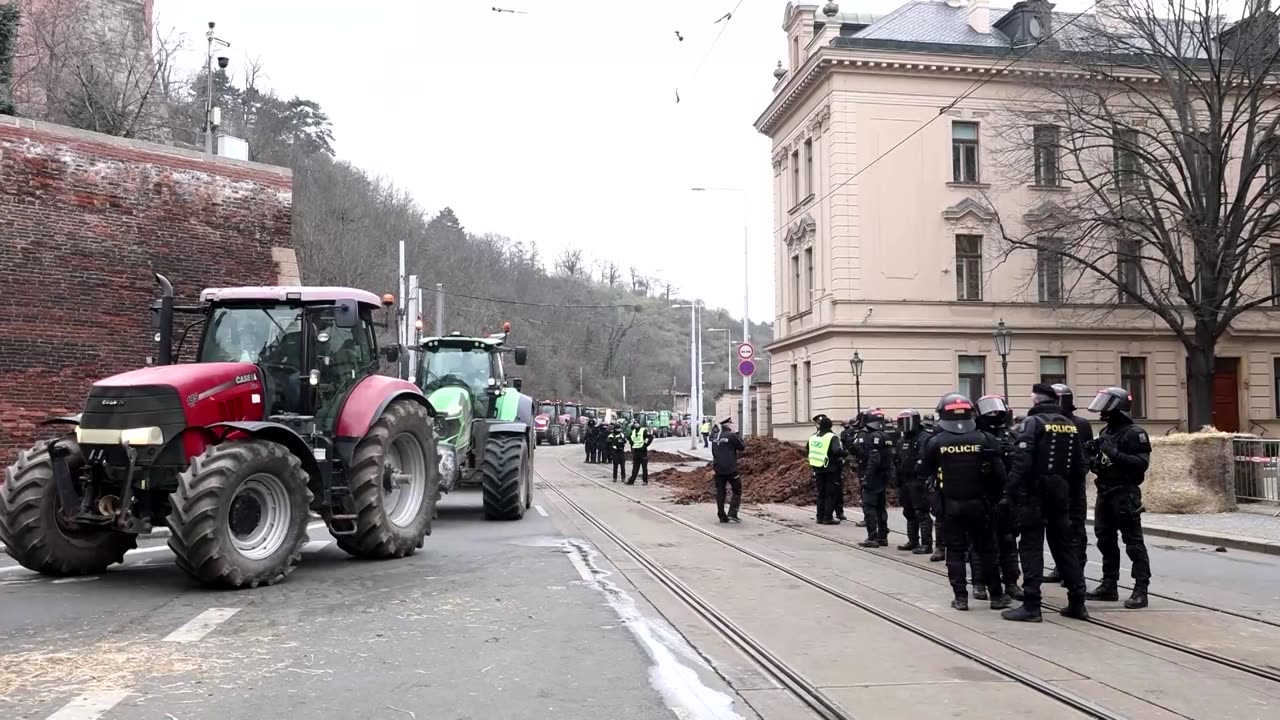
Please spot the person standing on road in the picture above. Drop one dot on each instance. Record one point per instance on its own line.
(589, 440)
(1079, 510)
(641, 438)
(993, 419)
(1048, 466)
(928, 431)
(826, 460)
(911, 489)
(1120, 460)
(705, 430)
(724, 456)
(875, 465)
(970, 479)
(617, 443)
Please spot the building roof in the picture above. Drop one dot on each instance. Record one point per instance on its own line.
(306, 294)
(934, 22)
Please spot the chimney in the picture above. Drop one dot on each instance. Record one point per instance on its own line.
(980, 16)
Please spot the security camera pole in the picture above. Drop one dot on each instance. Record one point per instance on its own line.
(208, 97)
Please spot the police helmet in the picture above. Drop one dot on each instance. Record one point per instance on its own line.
(1066, 398)
(873, 418)
(955, 414)
(1042, 393)
(993, 411)
(909, 421)
(1112, 400)
(824, 422)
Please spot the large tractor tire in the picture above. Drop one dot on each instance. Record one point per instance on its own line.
(555, 435)
(239, 517)
(575, 433)
(395, 484)
(508, 477)
(34, 535)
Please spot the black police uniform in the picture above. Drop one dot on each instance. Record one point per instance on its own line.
(848, 434)
(1047, 470)
(617, 444)
(969, 484)
(1004, 525)
(928, 431)
(589, 441)
(1122, 455)
(874, 455)
(1079, 511)
(912, 494)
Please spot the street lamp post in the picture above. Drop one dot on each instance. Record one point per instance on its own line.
(855, 363)
(1003, 338)
(746, 294)
(695, 371)
(729, 338)
(223, 61)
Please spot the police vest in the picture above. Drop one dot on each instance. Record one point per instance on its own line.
(706, 428)
(637, 436)
(819, 446)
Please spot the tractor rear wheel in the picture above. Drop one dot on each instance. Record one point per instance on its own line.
(239, 516)
(554, 436)
(30, 527)
(395, 484)
(575, 433)
(507, 477)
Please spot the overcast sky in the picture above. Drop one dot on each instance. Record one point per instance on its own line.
(558, 127)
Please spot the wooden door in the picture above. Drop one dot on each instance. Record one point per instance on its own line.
(1226, 394)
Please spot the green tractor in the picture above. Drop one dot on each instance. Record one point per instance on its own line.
(484, 423)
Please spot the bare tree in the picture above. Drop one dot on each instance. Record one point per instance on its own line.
(1159, 120)
(570, 263)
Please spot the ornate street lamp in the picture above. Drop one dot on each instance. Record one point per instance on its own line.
(855, 363)
(1003, 338)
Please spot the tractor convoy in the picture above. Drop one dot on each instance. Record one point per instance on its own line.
(279, 413)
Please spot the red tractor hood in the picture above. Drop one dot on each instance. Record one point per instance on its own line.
(187, 378)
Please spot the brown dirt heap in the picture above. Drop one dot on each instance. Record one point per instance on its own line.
(772, 471)
(658, 456)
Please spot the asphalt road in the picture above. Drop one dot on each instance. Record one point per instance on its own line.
(490, 620)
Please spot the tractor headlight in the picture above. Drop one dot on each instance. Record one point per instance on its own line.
(142, 436)
(448, 459)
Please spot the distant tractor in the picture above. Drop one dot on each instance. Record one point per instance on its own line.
(486, 426)
(282, 414)
(546, 424)
(571, 414)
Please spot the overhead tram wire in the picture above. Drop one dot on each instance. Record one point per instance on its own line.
(728, 18)
(541, 304)
(958, 99)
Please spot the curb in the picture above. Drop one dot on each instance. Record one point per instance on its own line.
(1236, 542)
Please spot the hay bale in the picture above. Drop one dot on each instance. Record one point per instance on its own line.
(1191, 473)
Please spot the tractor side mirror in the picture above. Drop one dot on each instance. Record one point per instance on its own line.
(517, 383)
(522, 355)
(391, 352)
(345, 313)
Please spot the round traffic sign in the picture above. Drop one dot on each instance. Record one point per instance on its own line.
(746, 352)
(747, 368)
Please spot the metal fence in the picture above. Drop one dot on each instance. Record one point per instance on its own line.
(1257, 469)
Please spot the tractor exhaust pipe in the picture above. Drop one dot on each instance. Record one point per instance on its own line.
(164, 321)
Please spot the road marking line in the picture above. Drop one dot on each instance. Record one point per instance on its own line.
(201, 625)
(90, 706)
(316, 546)
(63, 581)
(541, 512)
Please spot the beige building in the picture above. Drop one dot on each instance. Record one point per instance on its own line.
(895, 263)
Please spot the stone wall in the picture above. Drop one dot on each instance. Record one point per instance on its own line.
(84, 221)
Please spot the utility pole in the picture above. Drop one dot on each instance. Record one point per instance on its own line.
(440, 310)
(403, 326)
(210, 122)
(413, 324)
(579, 383)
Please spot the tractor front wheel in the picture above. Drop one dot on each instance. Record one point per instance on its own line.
(508, 478)
(32, 532)
(239, 516)
(395, 484)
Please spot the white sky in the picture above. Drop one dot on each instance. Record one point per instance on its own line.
(557, 127)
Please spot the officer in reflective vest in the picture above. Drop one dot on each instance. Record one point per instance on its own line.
(826, 458)
(705, 430)
(641, 437)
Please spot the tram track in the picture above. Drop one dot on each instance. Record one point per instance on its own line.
(788, 677)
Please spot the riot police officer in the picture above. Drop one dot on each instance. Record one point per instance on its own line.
(1047, 469)
(848, 435)
(928, 431)
(1066, 400)
(589, 440)
(970, 479)
(826, 459)
(993, 419)
(911, 489)
(1120, 460)
(874, 453)
(617, 445)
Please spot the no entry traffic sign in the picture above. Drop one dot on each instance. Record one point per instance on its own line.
(746, 352)
(747, 368)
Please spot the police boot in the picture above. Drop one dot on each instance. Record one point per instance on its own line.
(869, 543)
(923, 550)
(1053, 576)
(960, 603)
(1075, 610)
(1000, 602)
(1022, 614)
(1138, 599)
(859, 523)
(938, 555)
(1013, 591)
(979, 593)
(1105, 591)
(908, 545)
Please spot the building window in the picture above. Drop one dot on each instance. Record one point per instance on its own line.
(795, 394)
(1275, 274)
(964, 152)
(1049, 270)
(808, 389)
(808, 167)
(1271, 160)
(795, 177)
(1129, 269)
(973, 376)
(808, 277)
(969, 267)
(1125, 147)
(1046, 142)
(1201, 178)
(795, 283)
(1275, 376)
(1053, 369)
(795, 53)
(1133, 377)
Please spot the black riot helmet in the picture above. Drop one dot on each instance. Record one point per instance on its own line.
(1112, 401)
(1042, 393)
(1066, 398)
(955, 414)
(873, 419)
(993, 412)
(909, 422)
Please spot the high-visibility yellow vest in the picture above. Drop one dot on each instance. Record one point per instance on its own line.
(706, 428)
(637, 437)
(819, 445)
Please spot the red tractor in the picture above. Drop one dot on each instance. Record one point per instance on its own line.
(547, 424)
(571, 415)
(281, 415)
